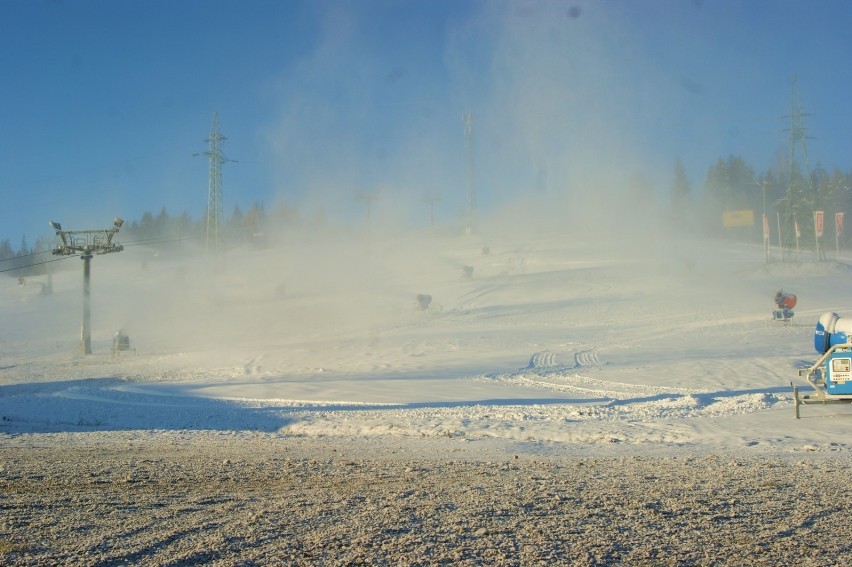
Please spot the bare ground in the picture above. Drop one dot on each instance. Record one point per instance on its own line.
(341, 502)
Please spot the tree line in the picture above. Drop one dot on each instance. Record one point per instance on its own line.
(789, 198)
(151, 229)
(731, 184)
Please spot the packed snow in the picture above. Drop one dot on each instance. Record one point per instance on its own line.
(553, 341)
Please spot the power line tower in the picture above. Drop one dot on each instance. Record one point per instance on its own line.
(471, 181)
(215, 216)
(801, 196)
(86, 243)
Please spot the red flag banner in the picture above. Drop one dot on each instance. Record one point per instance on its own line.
(838, 222)
(819, 222)
(798, 229)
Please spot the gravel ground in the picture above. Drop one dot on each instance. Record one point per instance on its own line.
(341, 502)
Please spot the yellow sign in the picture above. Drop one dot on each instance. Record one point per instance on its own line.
(732, 219)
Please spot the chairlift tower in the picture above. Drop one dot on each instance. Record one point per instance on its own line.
(431, 200)
(471, 180)
(86, 243)
(801, 196)
(368, 199)
(215, 216)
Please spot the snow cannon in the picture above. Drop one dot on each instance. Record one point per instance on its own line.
(831, 375)
(785, 300)
(784, 304)
(831, 329)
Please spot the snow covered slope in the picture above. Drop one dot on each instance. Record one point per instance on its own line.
(544, 339)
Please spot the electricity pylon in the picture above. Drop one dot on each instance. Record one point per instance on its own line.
(215, 216)
(801, 196)
(86, 243)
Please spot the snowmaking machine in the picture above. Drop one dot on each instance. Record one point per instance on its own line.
(784, 304)
(831, 375)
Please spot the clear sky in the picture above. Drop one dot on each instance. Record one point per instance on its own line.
(104, 102)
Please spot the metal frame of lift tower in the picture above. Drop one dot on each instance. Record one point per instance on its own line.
(86, 243)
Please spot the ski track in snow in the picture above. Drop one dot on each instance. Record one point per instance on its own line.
(608, 400)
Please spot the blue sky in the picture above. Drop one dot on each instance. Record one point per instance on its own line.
(103, 103)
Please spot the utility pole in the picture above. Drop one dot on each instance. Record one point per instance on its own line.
(215, 216)
(471, 181)
(86, 243)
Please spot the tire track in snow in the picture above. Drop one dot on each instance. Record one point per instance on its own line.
(544, 359)
(546, 372)
(607, 400)
(590, 387)
(586, 358)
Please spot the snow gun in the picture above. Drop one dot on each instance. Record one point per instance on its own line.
(784, 303)
(831, 375)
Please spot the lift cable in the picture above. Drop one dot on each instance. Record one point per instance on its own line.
(35, 264)
(10, 258)
(132, 243)
(159, 240)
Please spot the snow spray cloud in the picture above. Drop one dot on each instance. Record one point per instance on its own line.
(567, 101)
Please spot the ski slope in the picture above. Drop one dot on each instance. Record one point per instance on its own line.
(546, 341)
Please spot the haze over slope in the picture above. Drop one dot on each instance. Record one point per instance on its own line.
(544, 336)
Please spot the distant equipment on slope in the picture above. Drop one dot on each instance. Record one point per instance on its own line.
(423, 301)
(121, 342)
(784, 304)
(831, 375)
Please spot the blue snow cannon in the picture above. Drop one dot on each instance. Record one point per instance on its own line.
(831, 374)
(831, 329)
